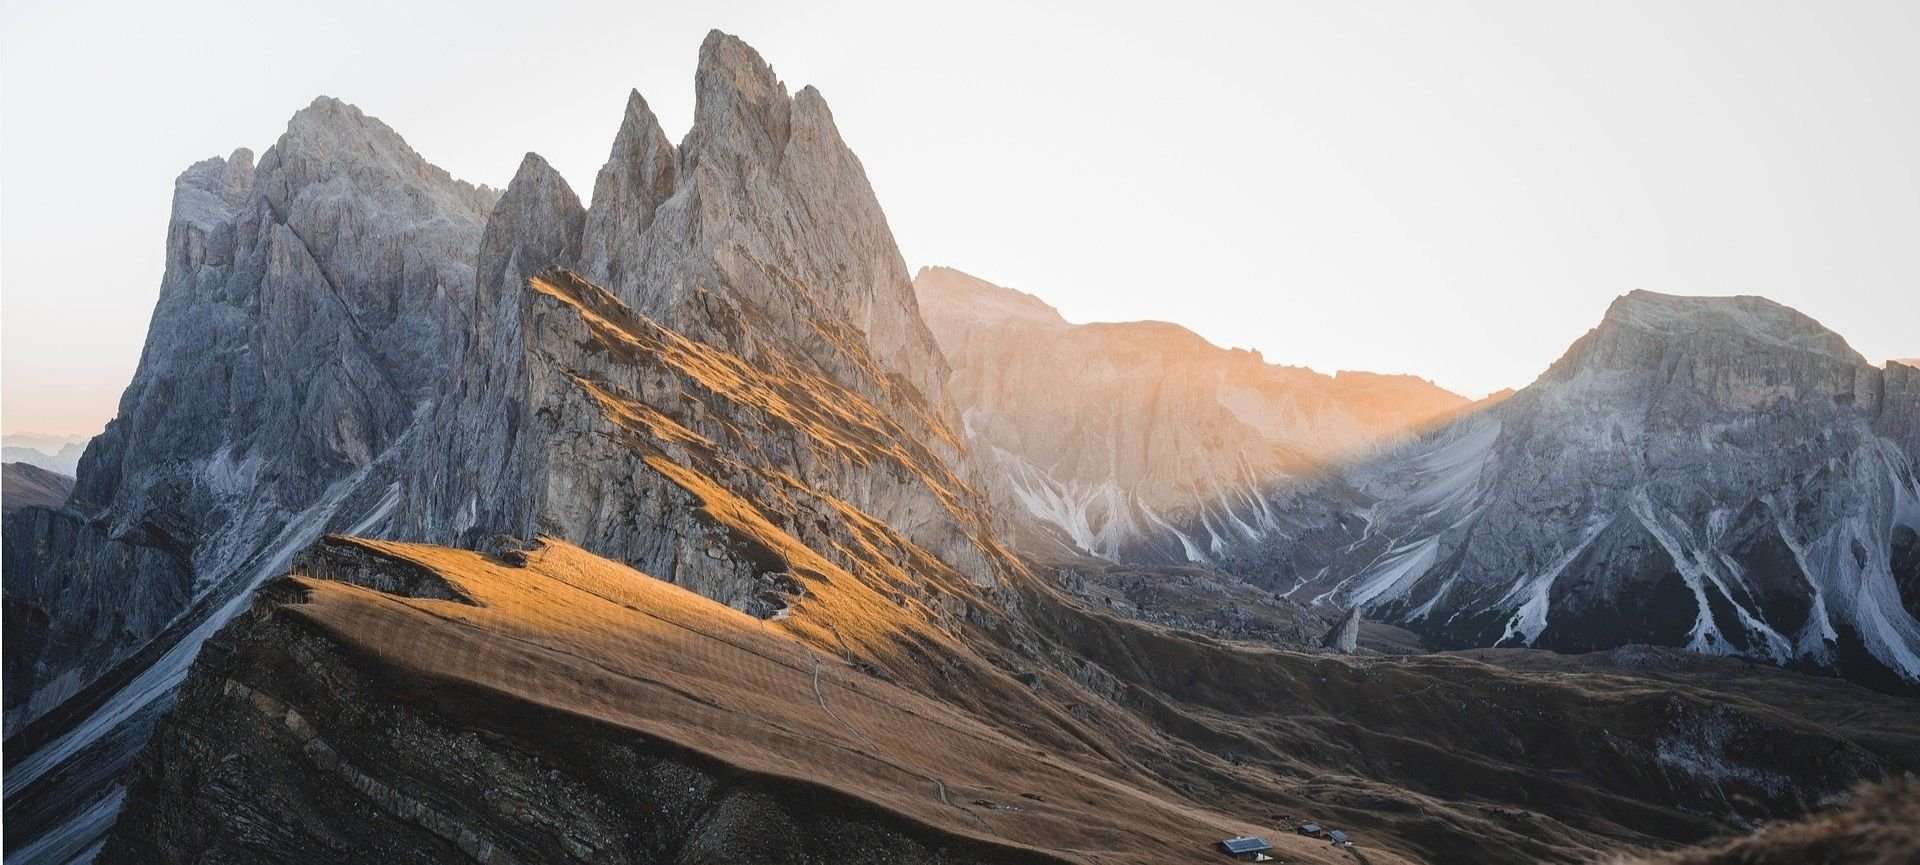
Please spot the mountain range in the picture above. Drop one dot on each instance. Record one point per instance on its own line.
(1723, 475)
(55, 453)
(444, 523)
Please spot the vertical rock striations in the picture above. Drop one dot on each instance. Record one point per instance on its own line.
(758, 236)
(310, 307)
(474, 470)
(1720, 474)
(304, 317)
(348, 340)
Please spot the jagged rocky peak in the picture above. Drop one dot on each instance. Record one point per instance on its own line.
(537, 223)
(761, 222)
(210, 190)
(742, 109)
(333, 141)
(1722, 474)
(311, 303)
(640, 174)
(756, 245)
(452, 495)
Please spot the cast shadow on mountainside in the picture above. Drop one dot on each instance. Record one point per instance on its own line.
(701, 562)
(1061, 731)
(1722, 474)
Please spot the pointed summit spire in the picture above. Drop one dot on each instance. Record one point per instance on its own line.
(740, 106)
(536, 225)
(640, 174)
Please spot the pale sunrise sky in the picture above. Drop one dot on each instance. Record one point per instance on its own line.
(1450, 189)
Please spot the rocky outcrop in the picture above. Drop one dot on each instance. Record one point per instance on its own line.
(1141, 442)
(476, 469)
(348, 339)
(303, 319)
(310, 308)
(1344, 636)
(1722, 474)
(760, 237)
(760, 226)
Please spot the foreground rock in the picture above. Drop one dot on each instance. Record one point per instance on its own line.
(1344, 636)
(289, 744)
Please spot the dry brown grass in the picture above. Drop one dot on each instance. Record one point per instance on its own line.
(1878, 825)
(907, 677)
(576, 633)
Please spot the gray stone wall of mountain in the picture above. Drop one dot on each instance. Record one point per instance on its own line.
(308, 311)
(302, 321)
(1141, 441)
(759, 234)
(477, 462)
(794, 243)
(1720, 474)
(347, 340)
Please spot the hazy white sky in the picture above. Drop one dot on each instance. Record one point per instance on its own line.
(1451, 189)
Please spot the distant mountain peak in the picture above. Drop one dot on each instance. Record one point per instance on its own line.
(952, 290)
(1747, 316)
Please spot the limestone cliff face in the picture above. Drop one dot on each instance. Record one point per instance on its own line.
(1722, 474)
(350, 340)
(304, 317)
(1141, 441)
(713, 374)
(758, 236)
(791, 243)
(474, 468)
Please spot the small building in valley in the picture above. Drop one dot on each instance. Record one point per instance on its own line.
(1247, 848)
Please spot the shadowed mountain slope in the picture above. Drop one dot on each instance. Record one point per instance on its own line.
(1720, 474)
(1129, 742)
(679, 554)
(29, 485)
